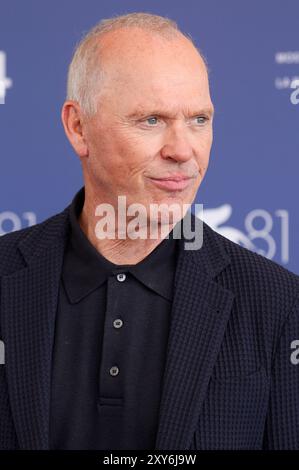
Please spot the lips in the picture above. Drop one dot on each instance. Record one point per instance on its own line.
(172, 183)
(174, 177)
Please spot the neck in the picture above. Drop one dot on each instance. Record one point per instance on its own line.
(119, 250)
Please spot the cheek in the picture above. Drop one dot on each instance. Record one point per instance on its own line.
(134, 156)
(123, 154)
(204, 149)
(127, 164)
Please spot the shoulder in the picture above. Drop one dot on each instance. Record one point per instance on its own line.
(47, 230)
(251, 275)
(245, 262)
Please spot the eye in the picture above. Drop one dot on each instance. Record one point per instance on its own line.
(151, 119)
(201, 119)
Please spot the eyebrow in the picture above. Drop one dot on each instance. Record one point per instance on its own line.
(170, 114)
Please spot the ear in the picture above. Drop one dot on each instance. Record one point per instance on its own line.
(72, 120)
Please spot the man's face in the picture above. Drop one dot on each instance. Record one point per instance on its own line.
(154, 120)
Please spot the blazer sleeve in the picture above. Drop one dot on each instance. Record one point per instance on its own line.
(282, 424)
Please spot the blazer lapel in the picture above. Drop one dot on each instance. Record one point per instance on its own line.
(200, 312)
(28, 308)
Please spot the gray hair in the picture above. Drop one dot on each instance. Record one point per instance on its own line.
(84, 72)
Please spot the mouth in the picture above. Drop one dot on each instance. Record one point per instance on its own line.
(172, 183)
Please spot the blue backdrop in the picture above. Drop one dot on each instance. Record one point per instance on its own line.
(250, 191)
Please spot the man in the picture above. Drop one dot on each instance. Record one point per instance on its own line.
(118, 342)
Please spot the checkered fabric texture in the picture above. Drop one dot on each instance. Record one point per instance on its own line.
(229, 382)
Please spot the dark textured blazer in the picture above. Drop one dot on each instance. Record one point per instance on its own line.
(229, 379)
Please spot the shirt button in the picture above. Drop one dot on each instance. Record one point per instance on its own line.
(121, 277)
(114, 371)
(118, 323)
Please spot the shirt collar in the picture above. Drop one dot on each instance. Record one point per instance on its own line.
(85, 269)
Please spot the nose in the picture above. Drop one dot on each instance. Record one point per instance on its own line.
(177, 145)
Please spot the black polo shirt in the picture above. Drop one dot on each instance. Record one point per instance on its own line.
(109, 353)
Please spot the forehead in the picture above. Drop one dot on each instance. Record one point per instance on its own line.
(133, 52)
(164, 97)
(166, 94)
(143, 71)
